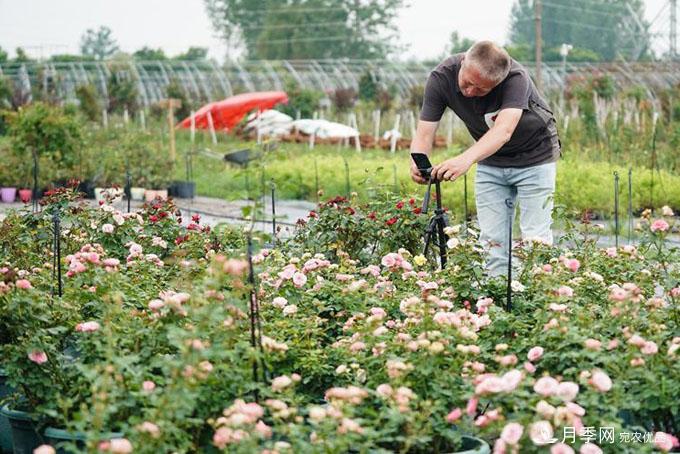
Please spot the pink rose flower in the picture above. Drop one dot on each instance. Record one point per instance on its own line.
(156, 304)
(637, 362)
(357, 346)
(649, 348)
(23, 284)
(281, 383)
(150, 428)
(535, 353)
(299, 279)
(612, 252)
(235, 267)
(511, 380)
(567, 391)
(264, 430)
(529, 367)
(575, 409)
(659, 226)
(44, 449)
(572, 264)
(384, 390)
(565, 290)
(592, 344)
(288, 272)
(454, 415)
(107, 228)
(120, 446)
(148, 386)
(601, 381)
(546, 386)
(280, 302)
(87, 327)
(38, 356)
(511, 433)
(561, 448)
(471, 407)
(665, 442)
(541, 433)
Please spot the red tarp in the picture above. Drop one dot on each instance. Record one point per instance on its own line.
(229, 112)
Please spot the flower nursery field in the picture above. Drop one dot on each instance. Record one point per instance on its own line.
(344, 338)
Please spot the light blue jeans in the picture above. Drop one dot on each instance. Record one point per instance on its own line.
(534, 187)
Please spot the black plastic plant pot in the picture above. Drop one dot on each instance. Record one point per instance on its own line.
(183, 189)
(24, 425)
(5, 428)
(60, 437)
(87, 188)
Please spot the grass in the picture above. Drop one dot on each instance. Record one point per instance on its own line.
(581, 184)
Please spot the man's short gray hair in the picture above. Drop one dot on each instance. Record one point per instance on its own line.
(492, 61)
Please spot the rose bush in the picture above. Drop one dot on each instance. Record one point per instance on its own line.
(365, 344)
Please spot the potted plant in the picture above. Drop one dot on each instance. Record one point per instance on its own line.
(48, 136)
(159, 187)
(8, 191)
(185, 189)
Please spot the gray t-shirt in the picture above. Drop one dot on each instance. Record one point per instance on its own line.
(534, 140)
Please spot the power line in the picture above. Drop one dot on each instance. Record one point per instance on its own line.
(307, 39)
(578, 24)
(288, 10)
(284, 26)
(583, 9)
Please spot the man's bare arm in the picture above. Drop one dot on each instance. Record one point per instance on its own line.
(488, 144)
(422, 143)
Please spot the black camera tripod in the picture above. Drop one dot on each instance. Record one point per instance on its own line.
(435, 228)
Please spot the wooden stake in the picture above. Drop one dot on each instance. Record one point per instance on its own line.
(193, 127)
(395, 131)
(376, 126)
(211, 125)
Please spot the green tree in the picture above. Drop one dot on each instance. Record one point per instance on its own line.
(458, 44)
(98, 43)
(3, 55)
(67, 58)
(21, 56)
(609, 28)
(298, 29)
(147, 54)
(194, 54)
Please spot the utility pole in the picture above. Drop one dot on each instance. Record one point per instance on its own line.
(673, 31)
(538, 11)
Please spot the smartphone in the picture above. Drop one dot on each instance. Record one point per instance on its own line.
(423, 163)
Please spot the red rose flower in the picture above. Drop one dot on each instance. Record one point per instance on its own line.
(400, 205)
(391, 221)
(153, 218)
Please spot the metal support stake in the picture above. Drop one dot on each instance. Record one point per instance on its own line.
(511, 217)
(616, 208)
(56, 223)
(273, 214)
(630, 205)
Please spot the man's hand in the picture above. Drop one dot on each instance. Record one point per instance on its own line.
(452, 169)
(415, 174)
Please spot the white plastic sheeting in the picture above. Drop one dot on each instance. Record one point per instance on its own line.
(270, 122)
(324, 129)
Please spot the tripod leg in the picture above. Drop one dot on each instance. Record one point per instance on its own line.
(428, 236)
(442, 240)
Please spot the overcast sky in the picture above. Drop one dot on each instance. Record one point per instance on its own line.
(45, 27)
